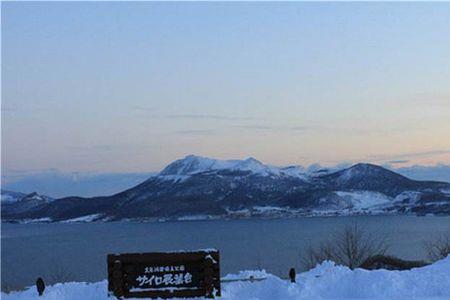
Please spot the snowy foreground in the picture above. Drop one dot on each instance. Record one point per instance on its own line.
(326, 281)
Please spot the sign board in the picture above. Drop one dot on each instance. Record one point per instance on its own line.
(164, 274)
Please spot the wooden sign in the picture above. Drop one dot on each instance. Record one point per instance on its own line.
(164, 275)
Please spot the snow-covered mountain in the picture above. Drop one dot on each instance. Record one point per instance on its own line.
(10, 196)
(191, 165)
(197, 188)
(15, 202)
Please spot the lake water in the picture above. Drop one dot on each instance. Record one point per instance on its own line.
(63, 252)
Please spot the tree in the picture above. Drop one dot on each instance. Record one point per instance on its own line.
(350, 247)
(438, 248)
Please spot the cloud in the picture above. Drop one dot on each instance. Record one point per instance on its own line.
(143, 108)
(16, 109)
(56, 183)
(256, 127)
(432, 99)
(278, 128)
(9, 110)
(206, 116)
(403, 156)
(326, 129)
(195, 132)
(86, 184)
(399, 161)
(440, 172)
(302, 128)
(93, 148)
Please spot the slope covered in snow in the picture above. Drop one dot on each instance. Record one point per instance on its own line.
(364, 199)
(199, 186)
(326, 281)
(10, 196)
(193, 164)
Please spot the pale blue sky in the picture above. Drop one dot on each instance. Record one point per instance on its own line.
(129, 87)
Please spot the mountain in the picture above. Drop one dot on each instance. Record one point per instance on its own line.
(16, 203)
(84, 184)
(10, 196)
(203, 188)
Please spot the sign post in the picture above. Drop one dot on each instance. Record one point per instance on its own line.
(164, 275)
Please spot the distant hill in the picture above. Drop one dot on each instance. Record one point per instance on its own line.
(17, 203)
(58, 184)
(204, 188)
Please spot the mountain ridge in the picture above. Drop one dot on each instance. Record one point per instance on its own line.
(200, 187)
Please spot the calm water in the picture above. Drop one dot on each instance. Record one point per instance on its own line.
(78, 251)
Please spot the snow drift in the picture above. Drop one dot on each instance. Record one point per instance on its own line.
(326, 281)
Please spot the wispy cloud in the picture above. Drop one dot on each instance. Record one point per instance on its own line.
(276, 128)
(143, 108)
(323, 129)
(8, 109)
(31, 108)
(206, 116)
(11, 175)
(430, 99)
(97, 153)
(399, 161)
(440, 172)
(303, 128)
(92, 148)
(403, 156)
(195, 132)
(256, 127)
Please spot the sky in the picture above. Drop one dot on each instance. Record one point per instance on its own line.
(115, 87)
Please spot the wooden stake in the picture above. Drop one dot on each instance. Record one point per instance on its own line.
(40, 286)
(292, 274)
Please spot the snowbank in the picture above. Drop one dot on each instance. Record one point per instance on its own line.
(326, 281)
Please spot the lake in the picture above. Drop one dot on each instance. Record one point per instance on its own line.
(77, 252)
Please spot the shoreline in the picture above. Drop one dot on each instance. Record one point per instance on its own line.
(216, 218)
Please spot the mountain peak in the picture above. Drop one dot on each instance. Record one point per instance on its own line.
(249, 163)
(361, 169)
(252, 160)
(366, 166)
(192, 164)
(365, 176)
(244, 188)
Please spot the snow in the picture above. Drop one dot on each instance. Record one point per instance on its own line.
(258, 274)
(191, 164)
(326, 281)
(295, 171)
(347, 174)
(174, 178)
(181, 169)
(268, 208)
(195, 218)
(196, 250)
(365, 199)
(445, 191)
(358, 170)
(8, 199)
(87, 218)
(40, 220)
(412, 196)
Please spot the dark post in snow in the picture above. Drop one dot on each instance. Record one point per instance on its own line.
(117, 278)
(40, 286)
(292, 274)
(208, 283)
